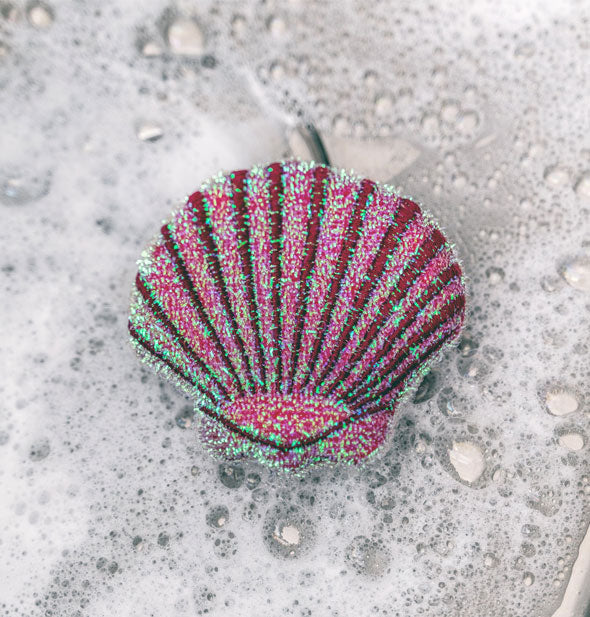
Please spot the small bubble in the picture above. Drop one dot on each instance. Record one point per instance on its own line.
(149, 132)
(231, 476)
(495, 275)
(561, 401)
(576, 272)
(528, 579)
(451, 404)
(150, 49)
(427, 388)
(39, 450)
(185, 38)
(490, 560)
(18, 187)
(449, 111)
(40, 15)
(163, 539)
(468, 122)
(571, 441)
(277, 27)
(252, 480)
(383, 105)
(217, 517)
(468, 460)
(367, 557)
(556, 175)
(582, 186)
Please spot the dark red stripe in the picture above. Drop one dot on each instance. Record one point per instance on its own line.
(340, 425)
(276, 190)
(353, 232)
(407, 212)
(318, 191)
(187, 283)
(238, 180)
(158, 310)
(412, 271)
(149, 347)
(450, 273)
(377, 404)
(203, 222)
(373, 378)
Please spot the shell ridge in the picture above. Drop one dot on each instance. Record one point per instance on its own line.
(384, 253)
(374, 229)
(190, 288)
(389, 338)
(353, 231)
(446, 278)
(240, 197)
(153, 352)
(320, 174)
(449, 311)
(200, 208)
(399, 348)
(338, 202)
(159, 312)
(276, 190)
(403, 381)
(425, 252)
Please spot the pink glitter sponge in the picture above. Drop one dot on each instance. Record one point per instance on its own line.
(296, 304)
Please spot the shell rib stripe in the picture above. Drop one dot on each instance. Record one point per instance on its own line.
(156, 308)
(199, 208)
(196, 302)
(240, 196)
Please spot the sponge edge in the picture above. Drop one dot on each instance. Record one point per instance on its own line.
(358, 440)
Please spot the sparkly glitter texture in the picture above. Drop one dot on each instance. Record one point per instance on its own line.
(296, 304)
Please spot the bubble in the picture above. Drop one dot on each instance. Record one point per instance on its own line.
(185, 38)
(544, 499)
(528, 578)
(561, 401)
(427, 388)
(252, 480)
(22, 186)
(217, 517)
(495, 275)
(383, 105)
(225, 544)
(40, 15)
(150, 49)
(467, 347)
(490, 560)
(367, 557)
(556, 175)
(468, 460)
(571, 441)
(430, 123)
(231, 476)
(149, 131)
(524, 50)
(451, 404)
(39, 450)
(163, 539)
(288, 531)
(576, 272)
(277, 27)
(468, 121)
(449, 111)
(582, 186)
(239, 26)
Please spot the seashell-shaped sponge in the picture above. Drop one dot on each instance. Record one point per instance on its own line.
(296, 303)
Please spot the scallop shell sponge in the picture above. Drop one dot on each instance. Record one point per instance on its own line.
(296, 304)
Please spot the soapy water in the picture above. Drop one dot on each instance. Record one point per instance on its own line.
(110, 113)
